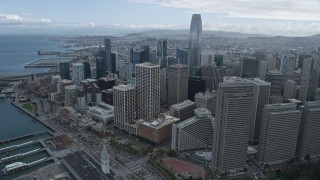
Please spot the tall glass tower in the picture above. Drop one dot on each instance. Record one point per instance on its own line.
(195, 45)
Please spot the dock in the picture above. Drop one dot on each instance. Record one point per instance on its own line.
(21, 166)
(19, 156)
(15, 147)
(24, 136)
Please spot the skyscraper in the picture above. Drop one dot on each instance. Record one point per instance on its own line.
(195, 45)
(231, 129)
(162, 53)
(277, 145)
(87, 70)
(276, 80)
(206, 100)
(208, 74)
(77, 73)
(261, 90)
(249, 68)
(218, 58)
(288, 63)
(114, 57)
(309, 141)
(100, 67)
(107, 47)
(290, 89)
(177, 83)
(163, 86)
(64, 70)
(309, 79)
(124, 107)
(148, 90)
(182, 55)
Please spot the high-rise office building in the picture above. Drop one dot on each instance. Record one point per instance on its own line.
(182, 55)
(162, 53)
(146, 54)
(163, 86)
(288, 63)
(125, 72)
(302, 57)
(64, 70)
(107, 48)
(177, 83)
(114, 58)
(195, 45)
(148, 90)
(277, 145)
(100, 67)
(208, 74)
(106, 83)
(136, 57)
(124, 107)
(206, 100)
(309, 79)
(231, 129)
(206, 58)
(261, 90)
(77, 73)
(249, 68)
(263, 67)
(309, 136)
(218, 58)
(87, 70)
(195, 85)
(290, 89)
(276, 80)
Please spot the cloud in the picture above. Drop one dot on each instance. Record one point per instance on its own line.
(259, 9)
(45, 20)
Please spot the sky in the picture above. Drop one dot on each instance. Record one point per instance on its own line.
(268, 17)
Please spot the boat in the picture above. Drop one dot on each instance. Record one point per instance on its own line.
(2, 95)
(14, 165)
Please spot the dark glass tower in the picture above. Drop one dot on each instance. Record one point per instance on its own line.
(107, 46)
(182, 55)
(64, 70)
(162, 53)
(100, 67)
(87, 70)
(195, 45)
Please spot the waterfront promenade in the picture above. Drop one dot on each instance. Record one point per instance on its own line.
(54, 130)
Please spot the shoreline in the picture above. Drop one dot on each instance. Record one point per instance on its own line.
(52, 129)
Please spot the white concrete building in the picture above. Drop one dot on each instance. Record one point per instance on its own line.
(279, 133)
(124, 101)
(148, 90)
(232, 125)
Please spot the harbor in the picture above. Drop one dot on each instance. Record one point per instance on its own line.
(23, 154)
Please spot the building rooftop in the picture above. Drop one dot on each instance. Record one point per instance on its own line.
(161, 121)
(233, 79)
(70, 87)
(123, 87)
(258, 81)
(147, 64)
(202, 112)
(183, 104)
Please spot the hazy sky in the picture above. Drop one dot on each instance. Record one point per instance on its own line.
(273, 17)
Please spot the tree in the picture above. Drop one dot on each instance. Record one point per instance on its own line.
(307, 158)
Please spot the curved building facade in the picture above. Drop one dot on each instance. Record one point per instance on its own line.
(195, 45)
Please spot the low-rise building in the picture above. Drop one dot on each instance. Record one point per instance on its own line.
(156, 130)
(101, 113)
(194, 133)
(183, 110)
